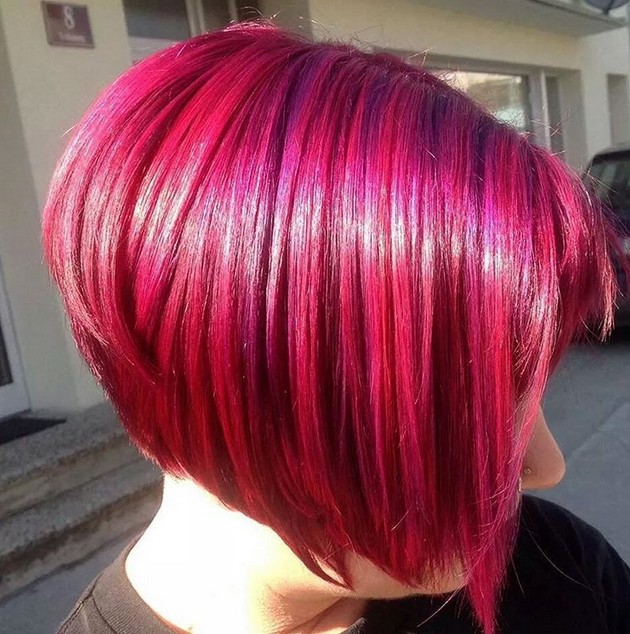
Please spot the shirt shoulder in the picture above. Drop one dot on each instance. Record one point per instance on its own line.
(563, 576)
(84, 616)
(111, 605)
(565, 563)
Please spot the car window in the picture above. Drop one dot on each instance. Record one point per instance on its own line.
(611, 181)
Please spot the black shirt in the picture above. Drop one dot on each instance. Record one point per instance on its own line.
(564, 577)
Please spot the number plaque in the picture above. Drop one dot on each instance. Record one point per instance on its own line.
(67, 24)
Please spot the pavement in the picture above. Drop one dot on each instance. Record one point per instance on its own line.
(587, 407)
(40, 607)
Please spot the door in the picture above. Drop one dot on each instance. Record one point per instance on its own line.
(13, 395)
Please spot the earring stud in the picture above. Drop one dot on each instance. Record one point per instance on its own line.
(526, 471)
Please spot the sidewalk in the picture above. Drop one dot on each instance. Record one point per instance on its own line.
(44, 604)
(588, 410)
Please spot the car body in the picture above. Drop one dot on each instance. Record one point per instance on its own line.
(609, 175)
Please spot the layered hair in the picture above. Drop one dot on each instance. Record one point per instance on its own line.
(330, 289)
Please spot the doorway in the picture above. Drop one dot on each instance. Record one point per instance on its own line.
(13, 395)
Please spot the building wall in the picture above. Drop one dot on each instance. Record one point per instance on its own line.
(36, 323)
(44, 90)
(600, 56)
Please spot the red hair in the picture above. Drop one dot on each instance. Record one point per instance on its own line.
(330, 289)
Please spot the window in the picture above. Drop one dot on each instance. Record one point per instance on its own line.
(611, 179)
(505, 96)
(5, 370)
(157, 19)
(156, 24)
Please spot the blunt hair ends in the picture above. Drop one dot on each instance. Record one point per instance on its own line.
(329, 288)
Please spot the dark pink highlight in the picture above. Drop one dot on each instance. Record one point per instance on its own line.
(329, 288)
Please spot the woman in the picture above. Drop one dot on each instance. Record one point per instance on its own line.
(325, 291)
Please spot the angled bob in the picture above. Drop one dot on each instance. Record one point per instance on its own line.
(329, 288)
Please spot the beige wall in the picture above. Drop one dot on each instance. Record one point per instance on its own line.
(601, 55)
(55, 84)
(44, 90)
(36, 321)
(409, 25)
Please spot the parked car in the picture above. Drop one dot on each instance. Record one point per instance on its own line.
(609, 175)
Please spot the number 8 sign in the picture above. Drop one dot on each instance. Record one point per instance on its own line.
(67, 25)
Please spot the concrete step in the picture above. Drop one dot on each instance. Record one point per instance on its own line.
(69, 527)
(45, 464)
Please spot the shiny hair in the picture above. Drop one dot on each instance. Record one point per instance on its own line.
(329, 288)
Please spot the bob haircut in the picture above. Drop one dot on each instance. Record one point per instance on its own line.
(330, 289)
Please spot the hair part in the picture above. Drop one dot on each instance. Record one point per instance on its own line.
(330, 289)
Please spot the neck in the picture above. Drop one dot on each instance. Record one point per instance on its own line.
(204, 568)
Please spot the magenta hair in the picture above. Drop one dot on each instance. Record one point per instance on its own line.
(329, 288)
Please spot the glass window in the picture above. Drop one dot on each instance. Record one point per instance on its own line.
(157, 19)
(611, 180)
(505, 96)
(216, 14)
(5, 370)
